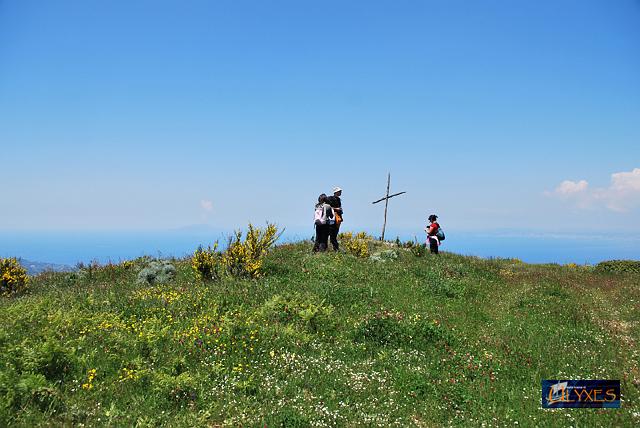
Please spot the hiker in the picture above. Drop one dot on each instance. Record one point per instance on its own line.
(322, 221)
(336, 204)
(434, 234)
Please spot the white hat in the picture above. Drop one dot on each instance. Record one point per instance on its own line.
(337, 189)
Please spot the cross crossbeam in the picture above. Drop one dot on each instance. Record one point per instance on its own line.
(388, 197)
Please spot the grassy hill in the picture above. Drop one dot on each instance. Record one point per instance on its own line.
(320, 340)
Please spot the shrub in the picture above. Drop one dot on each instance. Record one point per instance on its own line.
(439, 282)
(418, 250)
(25, 390)
(387, 328)
(286, 417)
(207, 263)
(127, 264)
(619, 266)
(179, 389)
(54, 362)
(407, 244)
(13, 277)
(157, 272)
(410, 244)
(304, 311)
(383, 328)
(382, 256)
(358, 244)
(87, 271)
(245, 258)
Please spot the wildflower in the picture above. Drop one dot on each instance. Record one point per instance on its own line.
(91, 375)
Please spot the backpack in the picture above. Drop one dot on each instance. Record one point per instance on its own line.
(323, 215)
(317, 216)
(440, 234)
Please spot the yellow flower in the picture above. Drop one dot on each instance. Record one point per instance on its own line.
(91, 375)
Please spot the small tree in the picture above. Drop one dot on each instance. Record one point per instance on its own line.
(206, 263)
(358, 244)
(13, 277)
(245, 258)
(242, 258)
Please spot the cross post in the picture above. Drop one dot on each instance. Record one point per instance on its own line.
(386, 203)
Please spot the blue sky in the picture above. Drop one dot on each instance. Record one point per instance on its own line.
(163, 114)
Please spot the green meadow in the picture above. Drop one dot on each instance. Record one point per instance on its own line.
(328, 339)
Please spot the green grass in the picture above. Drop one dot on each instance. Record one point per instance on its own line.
(320, 340)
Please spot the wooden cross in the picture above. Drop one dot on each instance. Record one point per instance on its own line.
(386, 203)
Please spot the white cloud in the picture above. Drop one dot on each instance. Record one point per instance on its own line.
(206, 205)
(624, 192)
(626, 181)
(622, 195)
(569, 187)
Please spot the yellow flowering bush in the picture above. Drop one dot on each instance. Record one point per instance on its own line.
(242, 258)
(357, 244)
(206, 263)
(245, 258)
(13, 277)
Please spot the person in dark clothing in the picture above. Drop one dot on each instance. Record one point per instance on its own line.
(432, 231)
(334, 228)
(322, 219)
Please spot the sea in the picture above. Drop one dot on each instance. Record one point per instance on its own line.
(70, 248)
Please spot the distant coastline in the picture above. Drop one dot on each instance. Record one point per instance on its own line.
(35, 267)
(63, 250)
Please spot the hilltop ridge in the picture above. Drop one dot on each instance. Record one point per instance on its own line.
(319, 340)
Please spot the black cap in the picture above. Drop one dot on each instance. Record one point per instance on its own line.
(432, 217)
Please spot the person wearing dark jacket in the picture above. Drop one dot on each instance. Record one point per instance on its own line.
(334, 228)
(322, 222)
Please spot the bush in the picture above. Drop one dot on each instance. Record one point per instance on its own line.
(383, 328)
(407, 244)
(286, 418)
(179, 389)
(245, 258)
(54, 362)
(87, 271)
(384, 255)
(619, 266)
(443, 283)
(418, 250)
(387, 328)
(13, 277)
(358, 244)
(296, 309)
(157, 272)
(27, 390)
(127, 264)
(207, 263)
